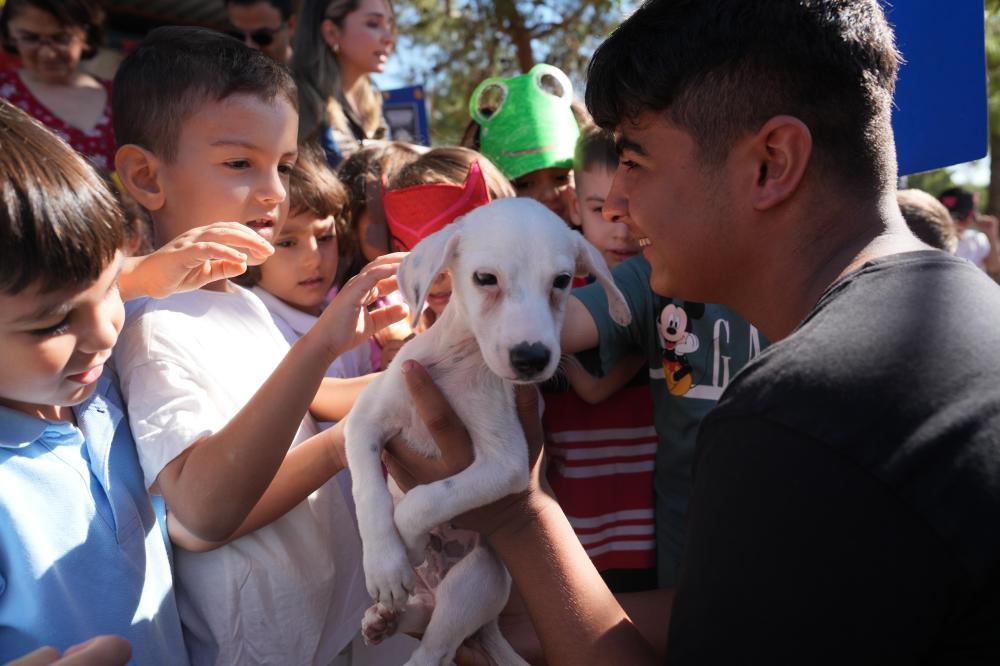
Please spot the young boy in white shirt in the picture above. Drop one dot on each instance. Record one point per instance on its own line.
(81, 552)
(207, 129)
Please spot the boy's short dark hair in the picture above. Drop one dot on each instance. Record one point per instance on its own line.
(85, 14)
(59, 224)
(286, 7)
(595, 147)
(313, 189)
(719, 69)
(174, 71)
(928, 219)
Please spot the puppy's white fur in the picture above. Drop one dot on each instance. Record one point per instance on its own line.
(529, 252)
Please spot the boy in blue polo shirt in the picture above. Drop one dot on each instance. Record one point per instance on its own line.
(81, 553)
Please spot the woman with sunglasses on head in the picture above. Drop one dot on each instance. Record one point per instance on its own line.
(51, 38)
(338, 43)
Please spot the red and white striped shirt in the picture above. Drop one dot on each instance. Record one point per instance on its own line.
(600, 467)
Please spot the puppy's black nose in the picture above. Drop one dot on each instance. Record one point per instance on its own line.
(529, 359)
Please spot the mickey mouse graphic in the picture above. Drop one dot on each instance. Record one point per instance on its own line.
(674, 328)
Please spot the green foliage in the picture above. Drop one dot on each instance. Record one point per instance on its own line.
(933, 182)
(937, 181)
(455, 44)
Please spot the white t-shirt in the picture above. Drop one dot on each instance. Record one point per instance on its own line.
(973, 245)
(292, 592)
(293, 324)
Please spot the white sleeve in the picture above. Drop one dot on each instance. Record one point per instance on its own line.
(169, 405)
(982, 248)
(169, 410)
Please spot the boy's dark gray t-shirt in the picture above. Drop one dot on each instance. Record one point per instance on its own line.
(693, 351)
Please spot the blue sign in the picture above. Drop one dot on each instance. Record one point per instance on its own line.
(405, 112)
(940, 115)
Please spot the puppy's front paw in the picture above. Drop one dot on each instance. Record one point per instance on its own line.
(380, 622)
(388, 575)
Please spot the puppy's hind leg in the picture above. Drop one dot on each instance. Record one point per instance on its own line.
(471, 595)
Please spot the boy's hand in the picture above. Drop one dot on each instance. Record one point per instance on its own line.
(99, 651)
(195, 258)
(347, 321)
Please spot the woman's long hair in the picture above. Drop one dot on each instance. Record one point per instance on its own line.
(317, 74)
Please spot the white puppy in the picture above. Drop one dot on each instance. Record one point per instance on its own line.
(511, 263)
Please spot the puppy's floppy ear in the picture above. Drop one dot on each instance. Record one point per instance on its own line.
(424, 263)
(590, 262)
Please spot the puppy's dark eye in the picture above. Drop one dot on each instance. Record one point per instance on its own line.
(562, 281)
(484, 279)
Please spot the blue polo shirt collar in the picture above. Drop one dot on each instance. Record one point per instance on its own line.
(98, 419)
(18, 430)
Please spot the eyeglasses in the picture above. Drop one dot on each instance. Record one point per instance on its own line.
(59, 41)
(261, 37)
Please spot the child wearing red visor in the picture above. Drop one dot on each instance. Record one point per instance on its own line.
(433, 191)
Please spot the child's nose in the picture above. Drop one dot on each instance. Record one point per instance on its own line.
(271, 189)
(311, 255)
(100, 332)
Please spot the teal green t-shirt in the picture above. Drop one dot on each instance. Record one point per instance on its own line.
(693, 350)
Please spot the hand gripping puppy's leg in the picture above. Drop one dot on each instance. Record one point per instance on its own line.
(388, 574)
(496, 472)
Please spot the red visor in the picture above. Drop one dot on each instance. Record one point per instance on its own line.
(413, 213)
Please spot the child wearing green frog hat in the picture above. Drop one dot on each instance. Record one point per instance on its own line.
(528, 129)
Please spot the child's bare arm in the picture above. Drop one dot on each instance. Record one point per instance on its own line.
(214, 484)
(193, 259)
(596, 389)
(306, 467)
(579, 330)
(336, 396)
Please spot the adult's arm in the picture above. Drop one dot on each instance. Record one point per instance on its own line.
(577, 619)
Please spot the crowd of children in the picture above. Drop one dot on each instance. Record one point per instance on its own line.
(222, 401)
(216, 389)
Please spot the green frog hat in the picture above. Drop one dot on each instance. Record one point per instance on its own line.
(532, 126)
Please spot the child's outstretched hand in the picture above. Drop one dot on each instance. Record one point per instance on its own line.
(195, 258)
(347, 321)
(99, 651)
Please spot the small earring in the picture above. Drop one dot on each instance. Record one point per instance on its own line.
(336, 48)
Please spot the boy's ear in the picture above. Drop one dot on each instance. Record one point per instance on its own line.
(779, 154)
(139, 171)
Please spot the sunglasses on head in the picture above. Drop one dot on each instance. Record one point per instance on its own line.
(261, 37)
